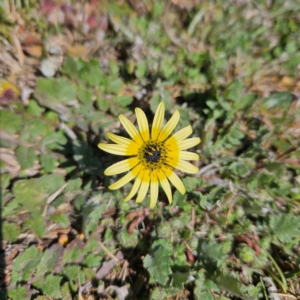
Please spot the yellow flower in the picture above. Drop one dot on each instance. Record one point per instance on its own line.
(152, 157)
(8, 91)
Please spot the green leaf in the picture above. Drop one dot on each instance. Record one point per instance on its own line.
(91, 215)
(32, 193)
(25, 264)
(179, 279)
(66, 291)
(75, 276)
(225, 104)
(201, 294)
(85, 157)
(85, 96)
(242, 167)
(34, 109)
(285, 227)
(157, 9)
(18, 293)
(34, 130)
(51, 117)
(114, 86)
(79, 201)
(168, 67)
(114, 69)
(231, 285)
(161, 96)
(276, 168)
(48, 162)
(179, 199)
(73, 251)
(10, 231)
(234, 90)
(4, 181)
(26, 157)
(54, 140)
(159, 265)
(245, 253)
(50, 286)
(158, 293)
(91, 260)
(55, 93)
(184, 117)
(280, 99)
(36, 224)
(212, 253)
(164, 230)
(200, 290)
(74, 184)
(29, 193)
(93, 243)
(70, 66)
(180, 259)
(123, 100)
(141, 70)
(103, 104)
(51, 257)
(51, 183)
(11, 208)
(116, 109)
(91, 73)
(72, 272)
(245, 101)
(127, 240)
(191, 183)
(10, 122)
(61, 220)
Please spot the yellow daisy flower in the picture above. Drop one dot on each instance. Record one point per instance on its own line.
(152, 157)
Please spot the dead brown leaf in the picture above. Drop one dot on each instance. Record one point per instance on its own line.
(18, 47)
(32, 44)
(185, 4)
(12, 165)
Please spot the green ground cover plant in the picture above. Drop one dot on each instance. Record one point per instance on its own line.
(69, 68)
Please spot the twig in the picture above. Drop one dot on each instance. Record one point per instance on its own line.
(283, 295)
(53, 197)
(115, 258)
(171, 36)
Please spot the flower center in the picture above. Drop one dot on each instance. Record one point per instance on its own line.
(152, 154)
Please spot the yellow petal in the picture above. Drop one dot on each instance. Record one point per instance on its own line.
(153, 189)
(173, 142)
(186, 155)
(115, 149)
(174, 180)
(129, 176)
(132, 131)
(172, 151)
(158, 120)
(120, 139)
(118, 149)
(169, 127)
(172, 160)
(144, 187)
(132, 145)
(188, 143)
(183, 133)
(186, 167)
(135, 186)
(165, 184)
(143, 124)
(122, 166)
